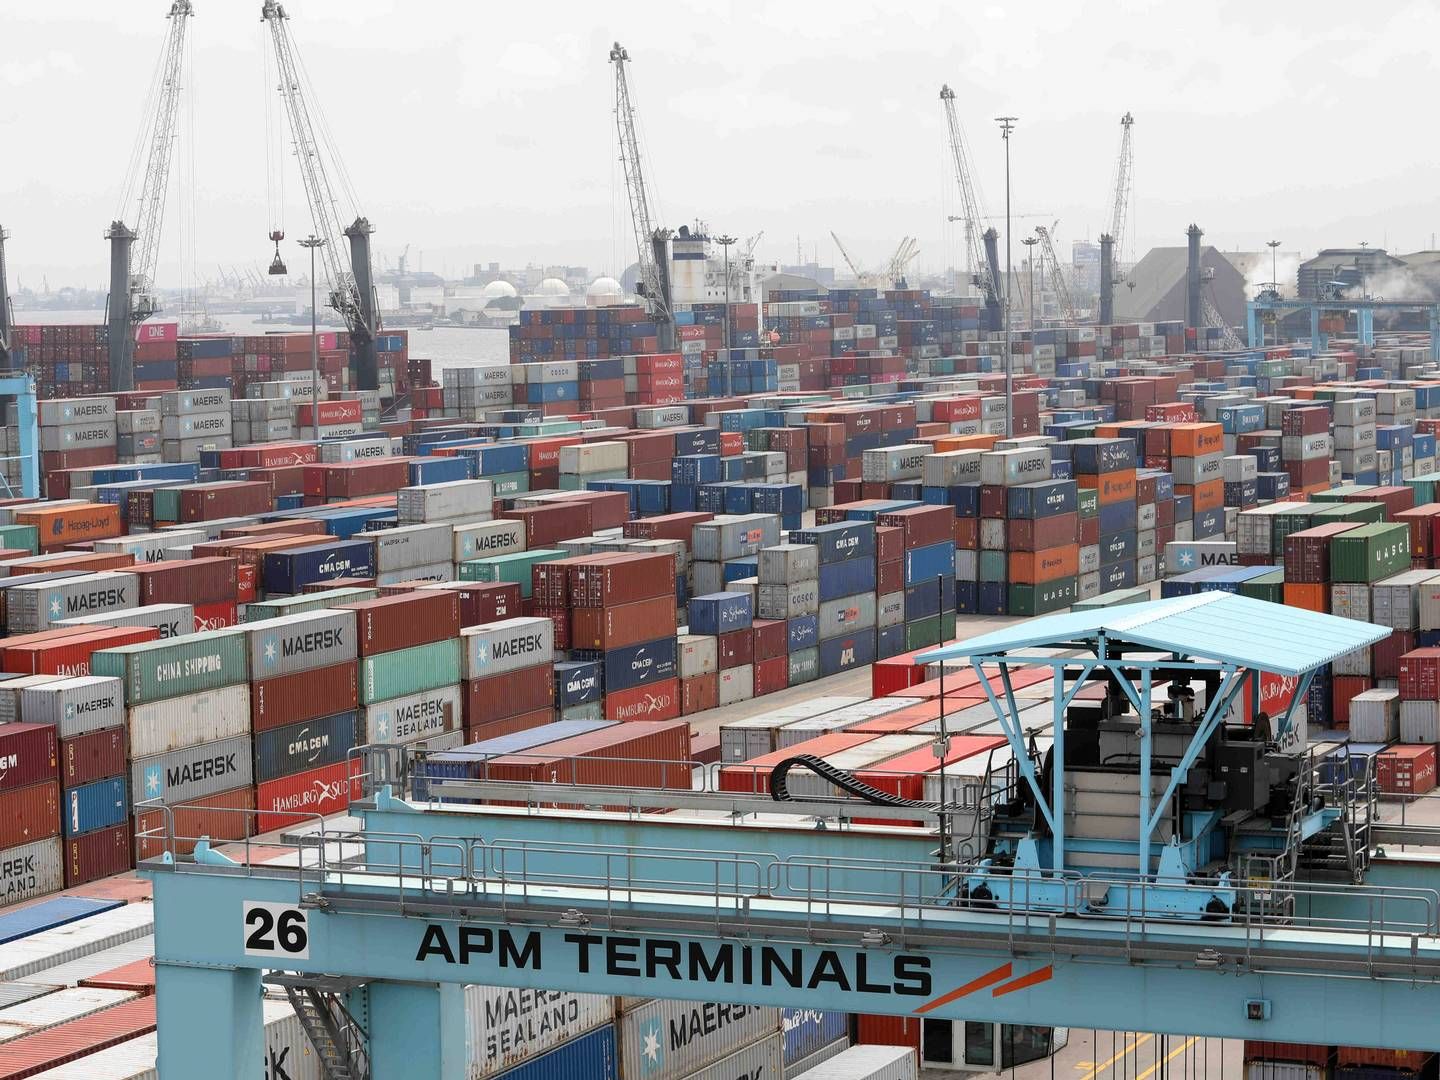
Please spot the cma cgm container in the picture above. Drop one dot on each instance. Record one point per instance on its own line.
(29, 754)
(505, 1027)
(291, 570)
(154, 670)
(310, 744)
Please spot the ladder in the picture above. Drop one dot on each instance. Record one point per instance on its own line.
(319, 1002)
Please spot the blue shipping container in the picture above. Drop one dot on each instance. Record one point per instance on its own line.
(1045, 498)
(1092, 456)
(803, 632)
(440, 470)
(49, 914)
(847, 651)
(95, 806)
(839, 541)
(929, 598)
(889, 641)
(846, 578)
(719, 613)
(809, 1030)
(290, 571)
(591, 1056)
(294, 748)
(577, 683)
(928, 563)
(634, 665)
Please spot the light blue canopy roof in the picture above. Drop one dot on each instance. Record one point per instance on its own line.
(1217, 626)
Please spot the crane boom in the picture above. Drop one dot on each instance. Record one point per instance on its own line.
(1057, 276)
(980, 268)
(349, 277)
(1123, 180)
(5, 316)
(641, 218)
(860, 277)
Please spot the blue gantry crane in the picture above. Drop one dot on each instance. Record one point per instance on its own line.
(1144, 861)
(1269, 304)
(20, 385)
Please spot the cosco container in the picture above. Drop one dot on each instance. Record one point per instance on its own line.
(189, 720)
(666, 1040)
(409, 671)
(412, 717)
(309, 744)
(503, 646)
(867, 1063)
(294, 643)
(193, 772)
(591, 1056)
(153, 670)
(31, 869)
(505, 1027)
(97, 805)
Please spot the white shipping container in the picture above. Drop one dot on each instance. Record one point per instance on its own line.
(486, 538)
(30, 870)
(867, 1063)
(890, 610)
(62, 412)
(10, 690)
(151, 547)
(667, 1040)
(189, 720)
(594, 457)
(699, 654)
(441, 571)
(498, 647)
(39, 605)
(362, 449)
(762, 1060)
(50, 948)
(890, 463)
(77, 436)
(70, 1003)
(411, 545)
(1283, 1070)
(505, 1027)
(195, 426)
(1011, 467)
(1375, 716)
(951, 467)
(190, 402)
(76, 706)
(1354, 412)
(472, 500)
(413, 717)
(172, 620)
(1420, 721)
(737, 684)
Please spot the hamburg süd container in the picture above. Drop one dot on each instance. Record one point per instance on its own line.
(286, 801)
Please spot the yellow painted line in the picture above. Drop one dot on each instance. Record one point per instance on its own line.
(1141, 1041)
(1169, 1057)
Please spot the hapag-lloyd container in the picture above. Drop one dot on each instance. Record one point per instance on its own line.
(684, 1037)
(31, 869)
(412, 717)
(472, 499)
(503, 646)
(31, 608)
(409, 671)
(193, 772)
(171, 620)
(305, 695)
(405, 620)
(326, 790)
(189, 720)
(294, 643)
(310, 744)
(154, 670)
(92, 756)
(412, 545)
(505, 1027)
(29, 754)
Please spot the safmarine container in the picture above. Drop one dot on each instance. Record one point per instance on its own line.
(309, 744)
(505, 1027)
(415, 716)
(189, 720)
(409, 671)
(96, 805)
(667, 1040)
(31, 869)
(191, 773)
(506, 645)
(1370, 552)
(291, 643)
(592, 1056)
(153, 670)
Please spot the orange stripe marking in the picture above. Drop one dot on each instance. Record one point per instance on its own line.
(1000, 974)
(1039, 975)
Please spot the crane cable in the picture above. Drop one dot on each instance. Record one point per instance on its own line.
(138, 152)
(274, 168)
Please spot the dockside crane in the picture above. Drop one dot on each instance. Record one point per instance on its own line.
(347, 267)
(981, 245)
(132, 278)
(6, 315)
(1058, 284)
(650, 242)
(1112, 243)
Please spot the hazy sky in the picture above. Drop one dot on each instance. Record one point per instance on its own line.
(482, 131)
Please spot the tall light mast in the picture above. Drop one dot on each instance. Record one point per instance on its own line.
(649, 242)
(980, 248)
(352, 292)
(132, 278)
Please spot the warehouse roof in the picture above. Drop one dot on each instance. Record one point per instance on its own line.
(1212, 625)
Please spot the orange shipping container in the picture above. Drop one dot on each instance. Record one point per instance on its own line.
(1112, 487)
(1207, 496)
(70, 524)
(1196, 440)
(1035, 567)
(1309, 597)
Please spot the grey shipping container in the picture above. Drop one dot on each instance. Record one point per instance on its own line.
(667, 1040)
(505, 1026)
(31, 608)
(809, 1061)
(867, 1063)
(485, 538)
(32, 869)
(734, 536)
(788, 601)
(291, 643)
(194, 772)
(762, 1060)
(498, 647)
(472, 499)
(414, 716)
(172, 620)
(10, 693)
(75, 706)
(412, 545)
(189, 720)
(804, 666)
(847, 614)
(785, 564)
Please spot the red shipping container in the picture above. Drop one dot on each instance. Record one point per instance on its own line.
(260, 530)
(905, 775)
(137, 976)
(772, 675)
(652, 701)
(665, 526)
(405, 621)
(509, 694)
(547, 525)
(770, 639)
(888, 1030)
(92, 756)
(215, 616)
(608, 509)
(187, 581)
(1304, 1053)
(90, 562)
(643, 755)
(97, 854)
(29, 813)
(922, 525)
(493, 729)
(1406, 769)
(701, 692)
(55, 633)
(1407, 1062)
(303, 695)
(624, 624)
(1385, 655)
(1342, 689)
(54, 1046)
(754, 775)
(292, 800)
(71, 655)
(889, 577)
(1420, 675)
(330, 412)
(735, 649)
(226, 815)
(28, 755)
(1307, 552)
(225, 499)
(1039, 534)
(1421, 520)
(623, 579)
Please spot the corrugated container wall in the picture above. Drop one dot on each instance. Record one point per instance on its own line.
(505, 1027)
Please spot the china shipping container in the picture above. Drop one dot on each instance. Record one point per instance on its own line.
(154, 670)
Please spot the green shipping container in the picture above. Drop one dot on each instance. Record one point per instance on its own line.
(1340, 494)
(409, 671)
(1137, 595)
(1088, 502)
(1356, 511)
(1291, 521)
(510, 483)
(170, 667)
(514, 567)
(1370, 552)
(1424, 488)
(166, 505)
(929, 631)
(993, 566)
(1042, 599)
(302, 602)
(17, 537)
(1269, 587)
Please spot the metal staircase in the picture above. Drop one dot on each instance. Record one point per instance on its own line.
(319, 1001)
(1343, 853)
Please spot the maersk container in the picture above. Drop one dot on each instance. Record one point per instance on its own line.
(94, 806)
(867, 1063)
(495, 648)
(289, 571)
(31, 870)
(591, 1056)
(193, 772)
(664, 1039)
(154, 670)
(189, 720)
(412, 545)
(473, 499)
(172, 620)
(422, 715)
(409, 671)
(32, 608)
(485, 538)
(505, 1026)
(310, 744)
(291, 643)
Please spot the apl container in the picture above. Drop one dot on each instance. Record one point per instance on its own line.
(189, 720)
(154, 670)
(667, 1040)
(505, 1027)
(193, 772)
